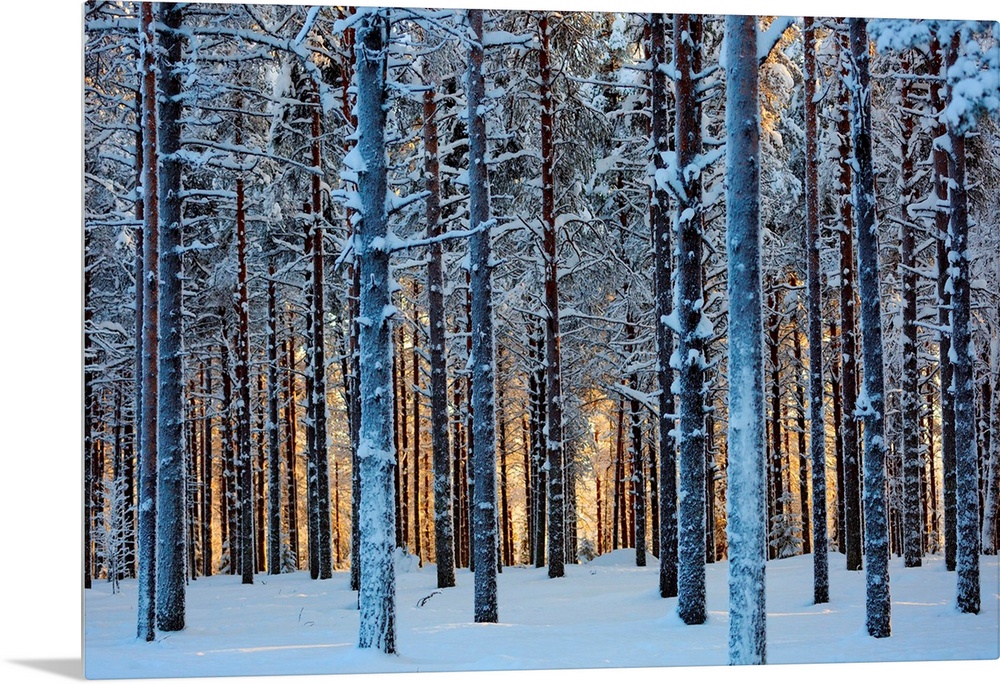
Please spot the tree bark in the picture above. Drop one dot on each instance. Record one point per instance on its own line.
(690, 334)
(871, 403)
(746, 489)
(817, 424)
(377, 597)
(481, 363)
(170, 495)
(663, 257)
(444, 528)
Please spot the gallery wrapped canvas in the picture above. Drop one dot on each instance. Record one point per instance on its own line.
(446, 339)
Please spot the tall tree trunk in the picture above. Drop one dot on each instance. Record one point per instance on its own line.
(538, 450)
(147, 283)
(244, 460)
(848, 343)
(554, 451)
(746, 489)
(444, 528)
(481, 364)
(944, 303)
(966, 466)
(637, 481)
(206, 472)
(417, 528)
(320, 453)
(909, 396)
(170, 500)
(291, 439)
(690, 333)
(377, 599)
(991, 506)
(775, 457)
(817, 426)
(663, 256)
(871, 403)
(273, 445)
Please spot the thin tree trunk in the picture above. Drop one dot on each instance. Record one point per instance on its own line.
(416, 430)
(244, 461)
(660, 220)
(909, 396)
(848, 345)
(691, 340)
(147, 283)
(871, 403)
(817, 425)
(481, 363)
(553, 373)
(967, 524)
(444, 528)
(273, 445)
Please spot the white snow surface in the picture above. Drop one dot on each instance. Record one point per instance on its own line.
(602, 614)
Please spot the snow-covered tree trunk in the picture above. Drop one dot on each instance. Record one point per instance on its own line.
(962, 353)
(817, 426)
(481, 364)
(662, 254)
(170, 496)
(376, 455)
(554, 452)
(941, 220)
(244, 463)
(318, 349)
(147, 283)
(909, 381)
(691, 323)
(850, 433)
(871, 402)
(746, 497)
(991, 505)
(636, 459)
(538, 445)
(444, 529)
(273, 445)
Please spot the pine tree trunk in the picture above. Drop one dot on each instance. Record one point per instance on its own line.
(170, 496)
(377, 597)
(444, 528)
(244, 460)
(991, 508)
(538, 445)
(208, 563)
(746, 478)
(273, 445)
(848, 343)
(690, 338)
(481, 364)
(944, 303)
(871, 403)
(416, 431)
(321, 455)
(909, 396)
(817, 426)
(663, 257)
(553, 373)
(967, 524)
(146, 373)
(291, 439)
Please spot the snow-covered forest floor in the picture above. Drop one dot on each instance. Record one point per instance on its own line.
(605, 613)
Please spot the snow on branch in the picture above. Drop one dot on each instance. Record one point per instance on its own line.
(768, 39)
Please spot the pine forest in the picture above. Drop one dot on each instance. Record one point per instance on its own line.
(403, 324)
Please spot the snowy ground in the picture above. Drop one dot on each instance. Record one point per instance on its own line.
(605, 613)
